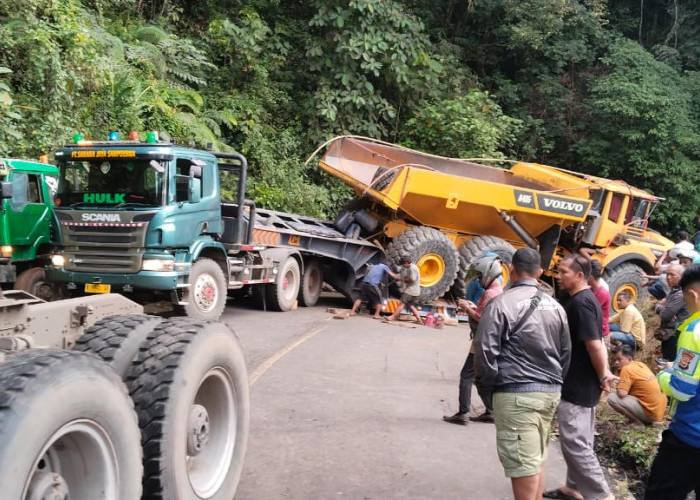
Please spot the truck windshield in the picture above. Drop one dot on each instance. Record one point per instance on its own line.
(115, 182)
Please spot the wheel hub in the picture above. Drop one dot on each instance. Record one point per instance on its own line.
(48, 485)
(205, 292)
(197, 430)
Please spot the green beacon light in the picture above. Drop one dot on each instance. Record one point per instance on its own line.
(152, 137)
(77, 138)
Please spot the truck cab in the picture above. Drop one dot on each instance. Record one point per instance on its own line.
(26, 200)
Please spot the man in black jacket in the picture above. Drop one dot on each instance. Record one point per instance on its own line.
(521, 357)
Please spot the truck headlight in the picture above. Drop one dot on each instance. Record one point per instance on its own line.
(6, 251)
(157, 265)
(58, 260)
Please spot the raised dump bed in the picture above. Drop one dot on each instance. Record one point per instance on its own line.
(451, 194)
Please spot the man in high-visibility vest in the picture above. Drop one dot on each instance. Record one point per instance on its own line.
(674, 472)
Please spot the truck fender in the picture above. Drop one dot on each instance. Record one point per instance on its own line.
(279, 255)
(209, 244)
(636, 258)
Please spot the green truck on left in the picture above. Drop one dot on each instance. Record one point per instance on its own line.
(27, 189)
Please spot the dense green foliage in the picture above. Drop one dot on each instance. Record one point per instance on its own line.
(604, 87)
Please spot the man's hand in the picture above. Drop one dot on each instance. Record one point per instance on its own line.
(606, 382)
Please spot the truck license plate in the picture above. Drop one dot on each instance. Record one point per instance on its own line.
(97, 288)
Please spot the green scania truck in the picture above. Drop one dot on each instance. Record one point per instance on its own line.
(148, 218)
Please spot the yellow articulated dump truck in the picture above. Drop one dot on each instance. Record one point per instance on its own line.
(445, 213)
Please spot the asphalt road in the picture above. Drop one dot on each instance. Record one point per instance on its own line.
(353, 409)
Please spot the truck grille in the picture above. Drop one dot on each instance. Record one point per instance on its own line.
(103, 247)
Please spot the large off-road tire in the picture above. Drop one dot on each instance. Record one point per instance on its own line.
(311, 283)
(190, 387)
(281, 294)
(474, 249)
(33, 280)
(625, 277)
(206, 295)
(67, 429)
(117, 339)
(433, 253)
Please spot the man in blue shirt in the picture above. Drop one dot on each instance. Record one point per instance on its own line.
(370, 292)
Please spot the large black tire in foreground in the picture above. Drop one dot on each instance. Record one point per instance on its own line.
(311, 283)
(281, 294)
(473, 250)
(625, 277)
(117, 339)
(67, 429)
(190, 387)
(207, 294)
(433, 253)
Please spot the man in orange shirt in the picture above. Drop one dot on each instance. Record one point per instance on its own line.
(638, 396)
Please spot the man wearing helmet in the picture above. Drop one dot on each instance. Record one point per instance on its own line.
(489, 272)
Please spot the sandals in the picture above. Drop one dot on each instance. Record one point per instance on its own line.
(557, 493)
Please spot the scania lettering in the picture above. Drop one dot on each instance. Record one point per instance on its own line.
(101, 217)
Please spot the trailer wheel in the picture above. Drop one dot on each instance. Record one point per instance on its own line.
(624, 278)
(282, 293)
(206, 295)
(33, 280)
(311, 283)
(67, 428)
(117, 339)
(190, 387)
(433, 253)
(476, 248)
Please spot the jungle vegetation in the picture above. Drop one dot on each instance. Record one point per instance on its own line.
(598, 86)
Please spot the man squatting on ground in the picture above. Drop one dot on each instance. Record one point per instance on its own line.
(675, 471)
(489, 272)
(638, 395)
(522, 354)
(369, 292)
(588, 375)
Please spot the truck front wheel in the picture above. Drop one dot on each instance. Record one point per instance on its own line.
(190, 387)
(206, 295)
(67, 428)
(33, 280)
(624, 278)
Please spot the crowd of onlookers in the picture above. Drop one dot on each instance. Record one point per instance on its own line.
(534, 357)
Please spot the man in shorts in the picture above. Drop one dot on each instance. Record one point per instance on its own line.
(370, 292)
(522, 354)
(410, 276)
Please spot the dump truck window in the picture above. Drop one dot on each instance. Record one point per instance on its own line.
(631, 215)
(615, 207)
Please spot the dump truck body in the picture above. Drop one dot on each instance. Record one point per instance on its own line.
(478, 207)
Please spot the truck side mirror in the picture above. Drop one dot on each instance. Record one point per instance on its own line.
(195, 190)
(5, 190)
(196, 168)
